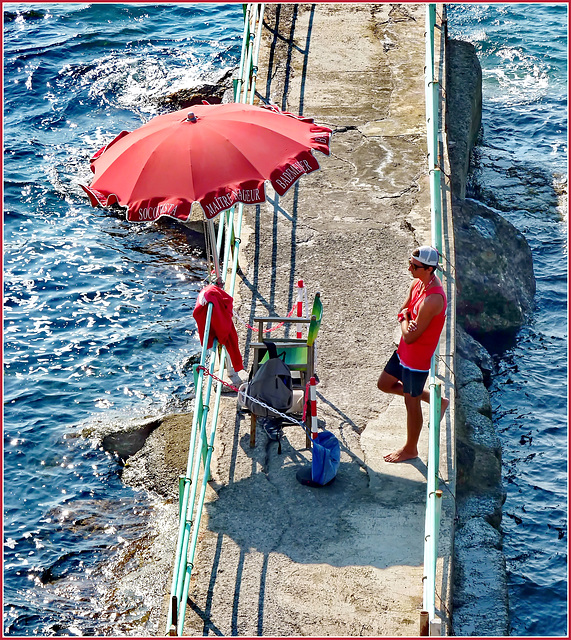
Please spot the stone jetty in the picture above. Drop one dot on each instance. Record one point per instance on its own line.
(277, 558)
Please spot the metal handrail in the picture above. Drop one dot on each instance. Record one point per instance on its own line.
(201, 443)
(433, 494)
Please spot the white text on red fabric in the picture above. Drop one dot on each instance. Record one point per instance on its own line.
(292, 173)
(152, 213)
(221, 203)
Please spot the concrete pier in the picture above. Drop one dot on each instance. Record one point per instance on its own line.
(277, 558)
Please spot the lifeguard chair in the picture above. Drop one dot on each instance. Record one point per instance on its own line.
(298, 353)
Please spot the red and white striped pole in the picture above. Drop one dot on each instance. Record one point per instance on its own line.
(313, 405)
(300, 288)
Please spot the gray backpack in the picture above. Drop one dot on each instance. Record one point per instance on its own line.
(271, 384)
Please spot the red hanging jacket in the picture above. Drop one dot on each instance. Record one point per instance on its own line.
(221, 326)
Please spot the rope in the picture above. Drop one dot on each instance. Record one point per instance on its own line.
(243, 394)
(248, 326)
(440, 358)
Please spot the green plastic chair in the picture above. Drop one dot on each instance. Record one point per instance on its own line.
(300, 353)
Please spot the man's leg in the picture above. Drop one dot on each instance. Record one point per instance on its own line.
(413, 429)
(390, 384)
(444, 402)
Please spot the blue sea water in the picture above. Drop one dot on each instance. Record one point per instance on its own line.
(520, 168)
(97, 312)
(98, 324)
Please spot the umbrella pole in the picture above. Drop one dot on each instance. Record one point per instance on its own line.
(212, 238)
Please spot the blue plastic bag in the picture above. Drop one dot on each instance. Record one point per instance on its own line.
(326, 457)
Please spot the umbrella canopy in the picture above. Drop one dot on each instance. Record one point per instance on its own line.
(216, 155)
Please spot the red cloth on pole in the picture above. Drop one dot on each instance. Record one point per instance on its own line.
(221, 326)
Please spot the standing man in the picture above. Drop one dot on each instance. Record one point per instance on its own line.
(421, 320)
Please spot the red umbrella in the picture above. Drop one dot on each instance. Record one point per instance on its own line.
(216, 155)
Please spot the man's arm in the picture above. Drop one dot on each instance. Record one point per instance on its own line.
(430, 307)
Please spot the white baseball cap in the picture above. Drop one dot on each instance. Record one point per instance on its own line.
(428, 256)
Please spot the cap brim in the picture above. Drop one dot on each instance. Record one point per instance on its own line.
(424, 264)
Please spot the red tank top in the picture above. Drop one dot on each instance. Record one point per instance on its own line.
(418, 354)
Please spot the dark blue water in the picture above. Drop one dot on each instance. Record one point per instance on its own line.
(98, 324)
(97, 312)
(520, 169)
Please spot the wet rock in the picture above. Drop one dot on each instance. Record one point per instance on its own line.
(212, 93)
(512, 182)
(30, 14)
(126, 443)
(66, 564)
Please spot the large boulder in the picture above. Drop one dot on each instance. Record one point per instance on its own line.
(494, 268)
(494, 272)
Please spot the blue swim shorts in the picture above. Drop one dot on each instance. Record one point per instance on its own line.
(412, 381)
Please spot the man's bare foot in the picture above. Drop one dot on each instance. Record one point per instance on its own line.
(400, 456)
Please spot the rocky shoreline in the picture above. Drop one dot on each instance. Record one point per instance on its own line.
(495, 290)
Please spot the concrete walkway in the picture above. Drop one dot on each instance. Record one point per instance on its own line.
(275, 557)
